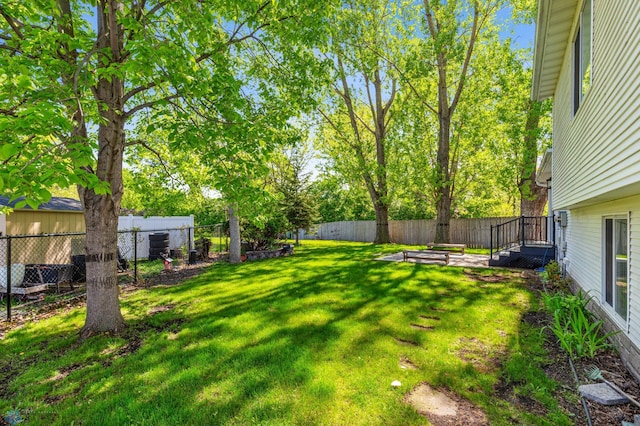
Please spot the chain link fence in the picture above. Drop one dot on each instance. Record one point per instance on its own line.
(33, 264)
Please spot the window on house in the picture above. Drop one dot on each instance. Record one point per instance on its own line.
(616, 264)
(582, 56)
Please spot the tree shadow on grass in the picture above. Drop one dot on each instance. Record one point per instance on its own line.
(241, 340)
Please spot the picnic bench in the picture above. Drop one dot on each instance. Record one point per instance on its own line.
(442, 256)
(448, 247)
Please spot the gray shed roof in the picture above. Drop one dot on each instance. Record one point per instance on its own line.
(56, 203)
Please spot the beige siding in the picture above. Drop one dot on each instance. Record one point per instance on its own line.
(597, 152)
(46, 249)
(23, 222)
(584, 256)
(54, 250)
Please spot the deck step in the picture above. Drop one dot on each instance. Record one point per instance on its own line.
(528, 256)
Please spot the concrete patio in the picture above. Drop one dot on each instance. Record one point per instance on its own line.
(467, 260)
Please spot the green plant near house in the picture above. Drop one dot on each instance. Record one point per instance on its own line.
(580, 335)
(552, 275)
(553, 271)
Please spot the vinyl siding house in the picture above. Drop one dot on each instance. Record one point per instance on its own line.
(59, 215)
(587, 57)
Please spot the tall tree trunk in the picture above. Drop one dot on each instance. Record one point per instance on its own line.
(381, 202)
(382, 224)
(443, 217)
(534, 204)
(382, 213)
(103, 304)
(443, 173)
(101, 211)
(440, 30)
(234, 236)
(533, 198)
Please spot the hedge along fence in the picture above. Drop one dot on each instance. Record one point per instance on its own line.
(475, 233)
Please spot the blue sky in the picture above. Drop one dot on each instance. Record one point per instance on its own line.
(523, 34)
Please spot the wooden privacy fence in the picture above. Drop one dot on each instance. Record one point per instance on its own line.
(475, 233)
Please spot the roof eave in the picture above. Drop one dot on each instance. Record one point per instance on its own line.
(542, 21)
(543, 175)
(554, 24)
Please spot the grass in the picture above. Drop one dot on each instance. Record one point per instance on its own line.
(314, 338)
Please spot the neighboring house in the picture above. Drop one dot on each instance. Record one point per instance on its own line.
(57, 216)
(587, 57)
(60, 215)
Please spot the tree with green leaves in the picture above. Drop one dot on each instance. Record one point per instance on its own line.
(291, 181)
(453, 30)
(160, 182)
(473, 130)
(82, 81)
(529, 134)
(359, 115)
(527, 127)
(339, 200)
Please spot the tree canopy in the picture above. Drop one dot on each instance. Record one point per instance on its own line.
(417, 109)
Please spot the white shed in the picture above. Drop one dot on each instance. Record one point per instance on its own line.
(180, 229)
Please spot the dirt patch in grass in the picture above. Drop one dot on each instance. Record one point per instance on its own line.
(406, 364)
(489, 276)
(406, 342)
(131, 347)
(177, 275)
(444, 408)
(473, 351)
(134, 336)
(506, 392)
(422, 327)
(430, 317)
(162, 308)
(53, 399)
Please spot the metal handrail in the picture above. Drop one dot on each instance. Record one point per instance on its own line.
(518, 231)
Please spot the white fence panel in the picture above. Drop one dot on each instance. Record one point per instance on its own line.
(180, 229)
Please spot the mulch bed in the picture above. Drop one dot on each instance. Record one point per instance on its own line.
(559, 369)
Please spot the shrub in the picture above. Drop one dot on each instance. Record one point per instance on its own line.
(552, 272)
(263, 237)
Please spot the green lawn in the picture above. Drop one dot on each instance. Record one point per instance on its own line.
(315, 338)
